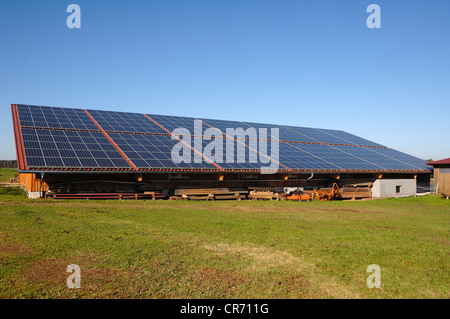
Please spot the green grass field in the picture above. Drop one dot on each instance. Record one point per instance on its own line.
(7, 173)
(228, 249)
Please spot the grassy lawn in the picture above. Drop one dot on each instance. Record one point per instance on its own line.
(7, 173)
(228, 249)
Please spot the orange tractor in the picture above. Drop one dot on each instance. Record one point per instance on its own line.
(328, 194)
(298, 196)
(296, 193)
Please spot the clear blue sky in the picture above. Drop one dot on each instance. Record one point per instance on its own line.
(306, 63)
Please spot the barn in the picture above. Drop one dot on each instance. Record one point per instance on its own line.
(86, 153)
(441, 177)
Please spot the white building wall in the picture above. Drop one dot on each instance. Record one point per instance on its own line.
(34, 195)
(393, 188)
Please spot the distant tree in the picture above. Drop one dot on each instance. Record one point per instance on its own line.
(8, 163)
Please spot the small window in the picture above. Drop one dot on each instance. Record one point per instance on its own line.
(398, 189)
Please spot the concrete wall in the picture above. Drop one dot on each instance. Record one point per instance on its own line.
(393, 188)
(34, 195)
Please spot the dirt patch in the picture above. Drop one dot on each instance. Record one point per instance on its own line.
(14, 249)
(48, 278)
(263, 259)
(215, 280)
(53, 271)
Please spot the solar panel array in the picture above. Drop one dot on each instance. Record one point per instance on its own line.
(67, 138)
(54, 117)
(59, 148)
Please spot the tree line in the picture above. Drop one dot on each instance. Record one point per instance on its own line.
(8, 163)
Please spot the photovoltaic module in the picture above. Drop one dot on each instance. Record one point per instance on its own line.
(57, 138)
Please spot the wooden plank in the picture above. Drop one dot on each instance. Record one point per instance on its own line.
(106, 196)
(269, 197)
(201, 197)
(208, 191)
(230, 197)
(355, 192)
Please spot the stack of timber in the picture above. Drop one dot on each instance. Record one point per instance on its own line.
(120, 196)
(356, 192)
(210, 193)
(154, 195)
(267, 193)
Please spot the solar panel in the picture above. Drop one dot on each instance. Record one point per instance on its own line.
(153, 151)
(349, 138)
(54, 117)
(171, 123)
(313, 135)
(341, 158)
(308, 134)
(62, 149)
(241, 130)
(297, 158)
(64, 137)
(284, 134)
(125, 122)
(244, 153)
(223, 125)
(410, 162)
(367, 154)
(240, 155)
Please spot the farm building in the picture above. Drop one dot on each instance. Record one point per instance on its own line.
(84, 153)
(441, 177)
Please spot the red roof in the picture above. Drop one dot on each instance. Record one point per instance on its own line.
(441, 162)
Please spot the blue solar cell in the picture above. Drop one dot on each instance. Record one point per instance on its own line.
(88, 147)
(224, 125)
(231, 154)
(42, 150)
(349, 138)
(386, 163)
(125, 122)
(67, 153)
(53, 161)
(302, 157)
(105, 162)
(97, 154)
(409, 162)
(152, 151)
(171, 123)
(70, 161)
(338, 157)
(54, 117)
(284, 134)
(35, 161)
(245, 130)
(306, 134)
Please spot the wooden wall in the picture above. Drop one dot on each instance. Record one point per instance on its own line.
(32, 182)
(442, 179)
